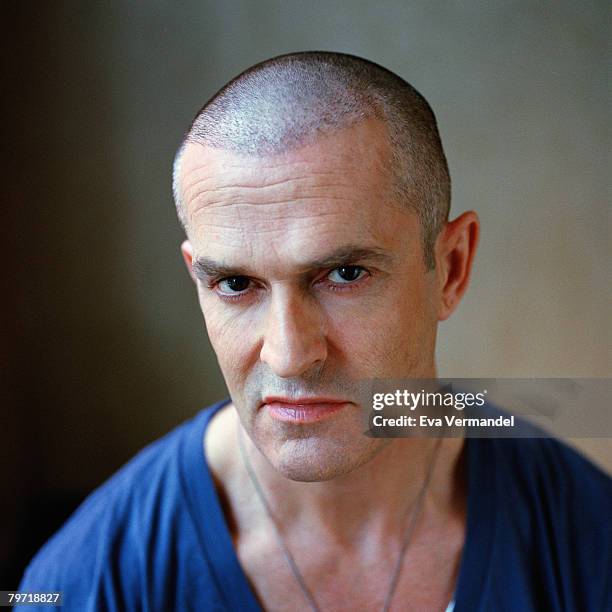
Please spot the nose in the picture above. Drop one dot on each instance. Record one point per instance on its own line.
(294, 339)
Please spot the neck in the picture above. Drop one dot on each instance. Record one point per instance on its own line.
(369, 502)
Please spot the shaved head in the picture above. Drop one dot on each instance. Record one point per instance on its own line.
(288, 102)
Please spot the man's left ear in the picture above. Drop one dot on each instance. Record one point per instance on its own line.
(187, 253)
(455, 249)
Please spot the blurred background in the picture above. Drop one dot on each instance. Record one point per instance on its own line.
(103, 345)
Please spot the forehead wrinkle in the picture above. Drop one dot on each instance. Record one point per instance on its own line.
(287, 196)
(270, 217)
(261, 174)
(275, 203)
(274, 197)
(284, 206)
(255, 173)
(210, 191)
(265, 170)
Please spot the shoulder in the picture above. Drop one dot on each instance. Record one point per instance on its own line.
(554, 511)
(104, 544)
(556, 471)
(545, 470)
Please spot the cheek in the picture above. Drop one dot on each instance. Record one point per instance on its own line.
(231, 337)
(384, 336)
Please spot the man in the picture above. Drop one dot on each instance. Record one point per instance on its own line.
(315, 194)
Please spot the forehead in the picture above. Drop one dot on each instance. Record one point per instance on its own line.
(336, 190)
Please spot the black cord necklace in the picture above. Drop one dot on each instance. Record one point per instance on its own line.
(411, 516)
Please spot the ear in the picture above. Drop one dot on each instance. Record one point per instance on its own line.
(455, 249)
(187, 253)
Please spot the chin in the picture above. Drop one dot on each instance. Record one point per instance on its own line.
(320, 460)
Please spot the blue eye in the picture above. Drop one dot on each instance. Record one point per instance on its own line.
(346, 274)
(234, 284)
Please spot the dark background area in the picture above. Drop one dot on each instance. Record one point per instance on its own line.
(88, 381)
(103, 346)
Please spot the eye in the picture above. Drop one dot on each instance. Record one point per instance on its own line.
(346, 274)
(234, 284)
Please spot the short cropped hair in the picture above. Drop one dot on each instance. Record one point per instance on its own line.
(288, 101)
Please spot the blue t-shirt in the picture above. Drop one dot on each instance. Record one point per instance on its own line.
(154, 537)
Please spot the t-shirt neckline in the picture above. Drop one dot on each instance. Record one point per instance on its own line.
(231, 580)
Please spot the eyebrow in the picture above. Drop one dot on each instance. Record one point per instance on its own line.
(206, 268)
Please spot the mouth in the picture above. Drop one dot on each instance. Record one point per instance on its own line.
(302, 409)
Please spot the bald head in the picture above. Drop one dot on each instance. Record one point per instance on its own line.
(288, 102)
